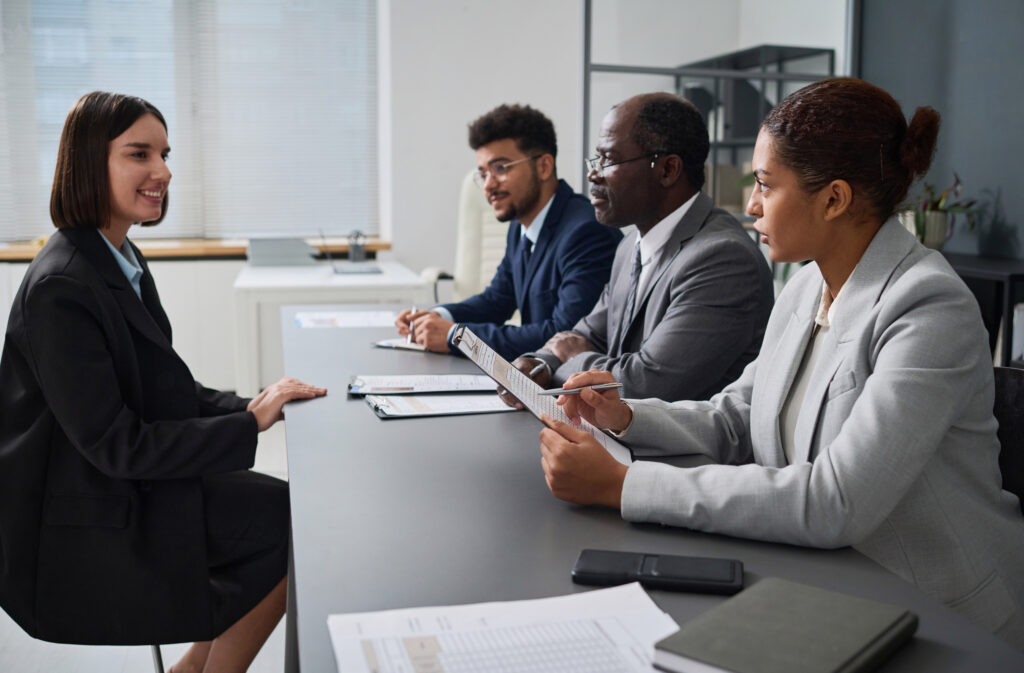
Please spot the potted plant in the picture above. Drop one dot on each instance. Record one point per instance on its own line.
(997, 236)
(932, 218)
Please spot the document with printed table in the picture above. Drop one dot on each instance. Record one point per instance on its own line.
(778, 626)
(410, 384)
(413, 406)
(610, 630)
(526, 390)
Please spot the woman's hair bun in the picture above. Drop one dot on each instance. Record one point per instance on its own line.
(918, 145)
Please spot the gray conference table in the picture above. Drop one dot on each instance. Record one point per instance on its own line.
(454, 510)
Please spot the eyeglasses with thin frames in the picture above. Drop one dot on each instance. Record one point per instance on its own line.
(598, 167)
(499, 171)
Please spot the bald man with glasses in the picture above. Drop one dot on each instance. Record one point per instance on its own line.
(557, 256)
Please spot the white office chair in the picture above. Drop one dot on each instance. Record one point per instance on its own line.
(480, 245)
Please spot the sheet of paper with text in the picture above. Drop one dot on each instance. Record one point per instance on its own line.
(526, 390)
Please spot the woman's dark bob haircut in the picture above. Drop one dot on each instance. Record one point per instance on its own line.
(81, 183)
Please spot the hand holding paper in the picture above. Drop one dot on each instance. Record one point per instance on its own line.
(577, 468)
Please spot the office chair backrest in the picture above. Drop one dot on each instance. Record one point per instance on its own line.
(1009, 411)
(481, 241)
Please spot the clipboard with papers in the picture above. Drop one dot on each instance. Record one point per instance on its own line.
(413, 384)
(526, 390)
(448, 404)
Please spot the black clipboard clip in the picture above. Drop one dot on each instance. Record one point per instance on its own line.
(460, 330)
(467, 342)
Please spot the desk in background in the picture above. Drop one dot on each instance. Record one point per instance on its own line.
(1006, 274)
(454, 510)
(261, 291)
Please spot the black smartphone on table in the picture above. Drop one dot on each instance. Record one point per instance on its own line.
(699, 574)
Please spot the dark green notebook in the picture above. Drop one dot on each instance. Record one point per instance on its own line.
(777, 626)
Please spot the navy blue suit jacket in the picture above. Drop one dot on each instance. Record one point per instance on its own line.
(570, 264)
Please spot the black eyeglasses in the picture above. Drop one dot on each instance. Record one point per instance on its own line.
(598, 166)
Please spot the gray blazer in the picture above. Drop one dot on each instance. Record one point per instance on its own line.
(896, 438)
(699, 321)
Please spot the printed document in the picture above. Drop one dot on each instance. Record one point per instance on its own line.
(361, 384)
(607, 630)
(411, 406)
(526, 390)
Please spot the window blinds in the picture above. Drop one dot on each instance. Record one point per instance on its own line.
(271, 107)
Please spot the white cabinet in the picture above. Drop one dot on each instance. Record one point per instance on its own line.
(260, 292)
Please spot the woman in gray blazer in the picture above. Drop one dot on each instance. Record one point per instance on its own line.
(866, 420)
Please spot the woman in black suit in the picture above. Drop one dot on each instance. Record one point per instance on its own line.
(128, 514)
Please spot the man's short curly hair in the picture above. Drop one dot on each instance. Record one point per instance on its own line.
(672, 125)
(532, 131)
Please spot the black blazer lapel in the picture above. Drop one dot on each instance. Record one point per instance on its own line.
(89, 244)
(150, 297)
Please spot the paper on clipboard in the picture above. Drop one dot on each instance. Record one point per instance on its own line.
(526, 390)
(413, 406)
(411, 384)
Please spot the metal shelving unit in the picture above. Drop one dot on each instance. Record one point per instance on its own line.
(733, 91)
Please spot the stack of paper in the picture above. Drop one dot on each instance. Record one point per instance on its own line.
(609, 630)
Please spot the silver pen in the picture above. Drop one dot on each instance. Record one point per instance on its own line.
(576, 391)
(408, 337)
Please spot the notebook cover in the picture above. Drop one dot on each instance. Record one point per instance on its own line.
(778, 626)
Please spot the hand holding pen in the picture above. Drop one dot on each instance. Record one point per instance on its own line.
(409, 337)
(404, 323)
(601, 407)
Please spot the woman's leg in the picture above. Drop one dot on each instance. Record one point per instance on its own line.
(233, 650)
(194, 660)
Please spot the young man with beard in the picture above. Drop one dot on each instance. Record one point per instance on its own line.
(557, 257)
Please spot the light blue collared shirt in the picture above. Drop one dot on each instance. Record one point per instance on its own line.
(532, 233)
(129, 264)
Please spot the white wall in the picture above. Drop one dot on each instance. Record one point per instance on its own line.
(798, 23)
(453, 60)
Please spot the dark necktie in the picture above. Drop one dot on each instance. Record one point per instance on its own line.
(527, 248)
(634, 282)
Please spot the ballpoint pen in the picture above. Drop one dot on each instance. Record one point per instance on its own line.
(408, 337)
(537, 370)
(576, 391)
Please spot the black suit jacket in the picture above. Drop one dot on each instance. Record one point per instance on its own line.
(104, 436)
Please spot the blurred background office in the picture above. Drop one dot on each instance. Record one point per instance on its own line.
(316, 117)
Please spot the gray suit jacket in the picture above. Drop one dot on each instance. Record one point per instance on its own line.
(699, 321)
(896, 441)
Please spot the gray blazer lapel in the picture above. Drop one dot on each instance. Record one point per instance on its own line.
(618, 292)
(828, 362)
(780, 370)
(886, 253)
(861, 292)
(689, 225)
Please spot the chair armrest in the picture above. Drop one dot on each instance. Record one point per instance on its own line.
(432, 274)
